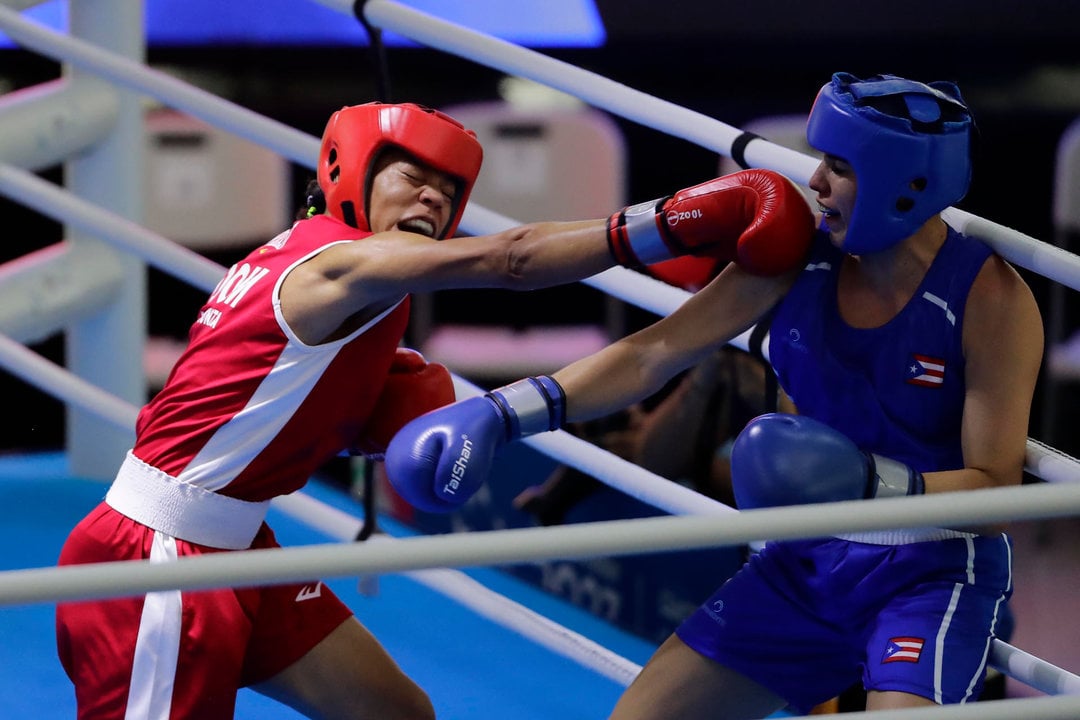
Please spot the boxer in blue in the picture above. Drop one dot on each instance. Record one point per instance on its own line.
(910, 352)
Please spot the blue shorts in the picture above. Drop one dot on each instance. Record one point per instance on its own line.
(807, 618)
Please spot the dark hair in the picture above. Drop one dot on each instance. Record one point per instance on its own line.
(314, 201)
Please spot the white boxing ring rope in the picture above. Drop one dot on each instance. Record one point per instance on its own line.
(1040, 708)
(65, 385)
(157, 250)
(1006, 658)
(472, 594)
(287, 141)
(50, 378)
(618, 537)
(1019, 248)
(626, 285)
(501, 547)
(204, 273)
(46, 198)
(1046, 259)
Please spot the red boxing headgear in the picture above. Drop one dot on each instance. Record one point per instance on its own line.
(356, 134)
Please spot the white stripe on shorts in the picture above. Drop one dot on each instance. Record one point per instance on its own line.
(153, 672)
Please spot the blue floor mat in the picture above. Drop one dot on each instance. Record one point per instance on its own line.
(470, 666)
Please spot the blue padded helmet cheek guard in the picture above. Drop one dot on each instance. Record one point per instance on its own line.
(903, 176)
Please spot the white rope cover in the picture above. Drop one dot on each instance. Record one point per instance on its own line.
(48, 584)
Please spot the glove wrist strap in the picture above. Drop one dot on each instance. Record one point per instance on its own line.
(530, 406)
(895, 479)
(636, 235)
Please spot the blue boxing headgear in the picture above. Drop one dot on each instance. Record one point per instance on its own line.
(909, 144)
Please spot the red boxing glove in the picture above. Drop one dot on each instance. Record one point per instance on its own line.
(413, 387)
(756, 218)
(689, 272)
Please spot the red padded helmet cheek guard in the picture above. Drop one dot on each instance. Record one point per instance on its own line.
(344, 158)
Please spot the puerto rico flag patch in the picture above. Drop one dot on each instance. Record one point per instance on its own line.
(926, 371)
(903, 649)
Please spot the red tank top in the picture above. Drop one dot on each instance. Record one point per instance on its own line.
(250, 411)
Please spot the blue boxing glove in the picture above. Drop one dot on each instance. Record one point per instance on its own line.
(440, 459)
(781, 459)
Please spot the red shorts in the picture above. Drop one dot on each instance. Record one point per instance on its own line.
(180, 654)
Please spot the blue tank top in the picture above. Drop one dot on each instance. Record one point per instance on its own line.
(896, 390)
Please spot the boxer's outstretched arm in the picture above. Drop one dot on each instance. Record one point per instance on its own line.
(440, 459)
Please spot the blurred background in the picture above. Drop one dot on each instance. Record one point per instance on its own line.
(297, 61)
(757, 65)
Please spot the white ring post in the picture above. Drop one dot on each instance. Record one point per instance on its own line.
(107, 348)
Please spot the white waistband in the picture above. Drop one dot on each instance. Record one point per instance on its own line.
(160, 501)
(904, 536)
